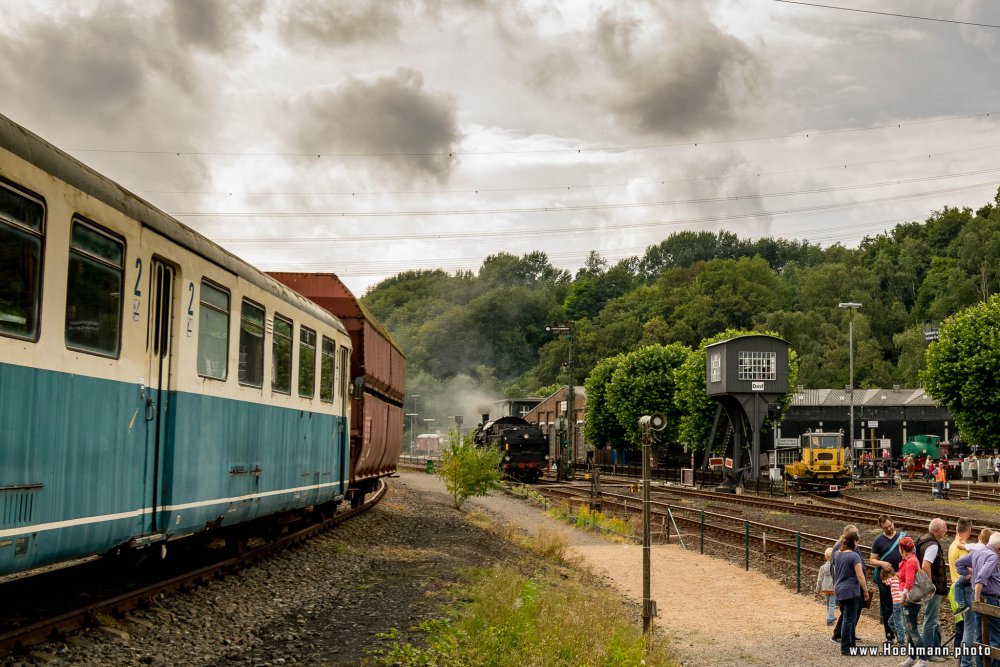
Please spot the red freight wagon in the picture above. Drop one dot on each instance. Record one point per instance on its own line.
(377, 413)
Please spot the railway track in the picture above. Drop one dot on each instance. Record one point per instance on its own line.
(57, 625)
(905, 520)
(960, 490)
(773, 542)
(893, 510)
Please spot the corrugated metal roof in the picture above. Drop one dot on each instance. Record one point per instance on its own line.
(862, 397)
(810, 396)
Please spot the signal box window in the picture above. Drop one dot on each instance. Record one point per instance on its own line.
(326, 370)
(21, 220)
(281, 356)
(213, 332)
(94, 291)
(251, 345)
(758, 366)
(307, 362)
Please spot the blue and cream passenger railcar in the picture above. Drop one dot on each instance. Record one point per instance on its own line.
(152, 385)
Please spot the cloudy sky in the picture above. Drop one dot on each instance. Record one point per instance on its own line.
(371, 137)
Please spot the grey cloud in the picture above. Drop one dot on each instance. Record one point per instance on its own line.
(342, 23)
(682, 77)
(213, 25)
(93, 67)
(407, 129)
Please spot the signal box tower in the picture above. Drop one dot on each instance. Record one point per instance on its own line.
(747, 375)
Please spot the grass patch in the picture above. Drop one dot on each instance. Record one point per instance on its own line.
(547, 543)
(502, 618)
(525, 491)
(588, 519)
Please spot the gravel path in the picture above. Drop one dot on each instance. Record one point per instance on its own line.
(712, 612)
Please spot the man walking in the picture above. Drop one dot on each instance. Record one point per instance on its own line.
(885, 553)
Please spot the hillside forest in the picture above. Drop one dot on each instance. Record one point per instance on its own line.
(474, 337)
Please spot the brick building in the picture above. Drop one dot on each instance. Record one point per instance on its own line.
(547, 413)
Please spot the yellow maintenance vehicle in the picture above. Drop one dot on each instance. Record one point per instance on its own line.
(822, 466)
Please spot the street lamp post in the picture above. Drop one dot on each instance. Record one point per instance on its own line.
(413, 432)
(852, 306)
(416, 413)
(571, 395)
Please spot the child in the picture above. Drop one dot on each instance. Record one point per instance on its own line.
(891, 580)
(908, 567)
(824, 585)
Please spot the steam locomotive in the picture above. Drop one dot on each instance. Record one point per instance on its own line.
(525, 448)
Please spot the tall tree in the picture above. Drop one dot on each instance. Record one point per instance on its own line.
(963, 371)
(600, 427)
(643, 383)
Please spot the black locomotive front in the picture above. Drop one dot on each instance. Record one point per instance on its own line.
(525, 448)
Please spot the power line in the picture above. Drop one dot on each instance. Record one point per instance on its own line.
(577, 150)
(573, 207)
(563, 230)
(904, 16)
(452, 264)
(571, 187)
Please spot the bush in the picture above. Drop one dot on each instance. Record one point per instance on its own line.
(467, 470)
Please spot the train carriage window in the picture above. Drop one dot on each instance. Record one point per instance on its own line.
(213, 332)
(326, 370)
(94, 290)
(21, 231)
(251, 345)
(281, 353)
(307, 362)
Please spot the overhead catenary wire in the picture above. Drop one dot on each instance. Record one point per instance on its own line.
(534, 151)
(577, 231)
(569, 207)
(375, 267)
(891, 14)
(571, 187)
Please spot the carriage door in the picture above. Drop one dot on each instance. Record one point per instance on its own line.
(344, 439)
(159, 347)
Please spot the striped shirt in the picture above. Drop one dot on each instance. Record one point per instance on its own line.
(897, 594)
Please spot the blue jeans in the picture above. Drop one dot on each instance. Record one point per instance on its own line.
(851, 611)
(896, 622)
(930, 631)
(970, 630)
(831, 609)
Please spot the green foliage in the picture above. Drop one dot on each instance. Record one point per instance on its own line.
(643, 383)
(468, 471)
(600, 426)
(963, 371)
(490, 323)
(506, 619)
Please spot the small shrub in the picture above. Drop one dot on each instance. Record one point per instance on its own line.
(468, 471)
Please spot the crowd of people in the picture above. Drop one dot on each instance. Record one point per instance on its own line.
(911, 574)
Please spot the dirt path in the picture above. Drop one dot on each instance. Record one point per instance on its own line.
(712, 612)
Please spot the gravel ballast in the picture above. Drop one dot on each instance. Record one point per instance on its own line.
(325, 602)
